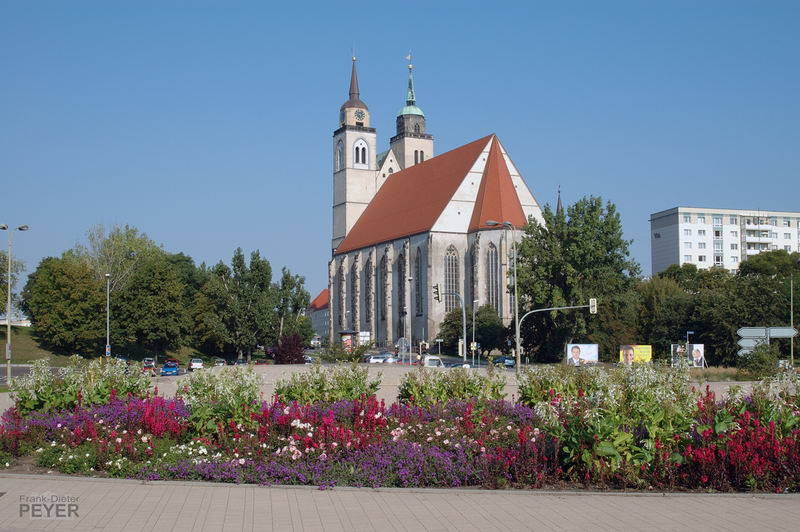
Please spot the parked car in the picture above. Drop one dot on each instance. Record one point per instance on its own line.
(148, 365)
(505, 362)
(380, 358)
(432, 361)
(308, 359)
(175, 360)
(169, 368)
(241, 362)
(195, 364)
(123, 358)
(219, 362)
(262, 362)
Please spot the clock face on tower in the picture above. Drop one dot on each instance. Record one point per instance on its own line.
(360, 114)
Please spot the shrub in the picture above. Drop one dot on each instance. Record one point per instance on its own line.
(230, 395)
(327, 384)
(761, 362)
(91, 382)
(426, 387)
(290, 350)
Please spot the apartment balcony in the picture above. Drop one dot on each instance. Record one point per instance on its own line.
(759, 227)
(750, 239)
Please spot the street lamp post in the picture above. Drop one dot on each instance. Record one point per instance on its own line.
(687, 337)
(509, 225)
(5, 227)
(472, 348)
(791, 305)
(108, 314)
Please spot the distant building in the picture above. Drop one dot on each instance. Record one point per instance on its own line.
(319, 314)
(719, 237)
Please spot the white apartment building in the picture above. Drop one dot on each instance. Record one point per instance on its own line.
(719, 237)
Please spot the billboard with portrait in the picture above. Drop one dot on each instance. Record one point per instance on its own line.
(581, 354)
(696, 355)
(678, 353)
(628, 354)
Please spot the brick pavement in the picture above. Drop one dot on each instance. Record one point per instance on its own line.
(108, 504)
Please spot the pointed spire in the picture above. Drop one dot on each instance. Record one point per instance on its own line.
(355, 100)
(354, 82)
(559, 208)
(411, 99)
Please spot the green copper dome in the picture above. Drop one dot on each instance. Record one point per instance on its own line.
(411, 100)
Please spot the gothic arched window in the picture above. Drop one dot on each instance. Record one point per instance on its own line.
(421, 156)
(418, 283)
(416, 156)
(340, 155)
(493, 278)
(353, 298)
(360, 153)
(451, 279)
(368, 289)
(381, 289)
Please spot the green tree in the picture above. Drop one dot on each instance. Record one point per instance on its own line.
(490, 332)
(117, 253)
(66, 305)
(237, 304)
(292, 301)
(572, 257)
(150, 311)
(664, 314)
(451, 329)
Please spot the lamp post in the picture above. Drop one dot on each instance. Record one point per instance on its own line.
(687, 337)
(474, 302)
(791, 305)
(509, 225)
(5, 227)
(108, 314)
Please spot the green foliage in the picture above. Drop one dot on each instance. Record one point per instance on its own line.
(93, 382)
(327, 384)
(336, 353)
(424, 386)
(451, 329)
(490, 332)
(292, 300)
(221, 397)
(572, 257)
(762, 361)
(150, 311)
(237, 304)
(66, 305)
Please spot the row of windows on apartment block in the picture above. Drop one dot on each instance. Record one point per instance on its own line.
(735, 234)
(734, 247)
(734, 220)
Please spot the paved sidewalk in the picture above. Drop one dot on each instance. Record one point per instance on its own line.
(105, 504)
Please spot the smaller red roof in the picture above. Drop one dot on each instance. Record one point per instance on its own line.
(320, 302)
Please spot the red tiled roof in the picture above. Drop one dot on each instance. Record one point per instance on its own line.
(320, 302)
(497, 198)
(411, 201)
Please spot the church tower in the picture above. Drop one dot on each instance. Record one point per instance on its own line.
(354, 167)
(411, 145)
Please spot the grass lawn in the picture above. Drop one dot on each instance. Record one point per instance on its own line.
(25, 350)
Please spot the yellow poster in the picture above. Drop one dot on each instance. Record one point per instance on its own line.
(628, 354)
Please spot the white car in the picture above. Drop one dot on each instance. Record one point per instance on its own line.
(383, 358)
(195, 363)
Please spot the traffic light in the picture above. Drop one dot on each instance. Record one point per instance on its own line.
(436, 295)
(592, 306)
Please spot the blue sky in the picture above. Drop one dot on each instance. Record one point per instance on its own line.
(208, 125)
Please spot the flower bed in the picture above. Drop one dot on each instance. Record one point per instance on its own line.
(631, 430)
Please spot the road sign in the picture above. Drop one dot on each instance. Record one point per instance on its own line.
(752, 332)
(782, 332)
(743, 352)
(108, 350)
(749, 343)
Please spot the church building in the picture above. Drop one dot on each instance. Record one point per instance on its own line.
(406, 219)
